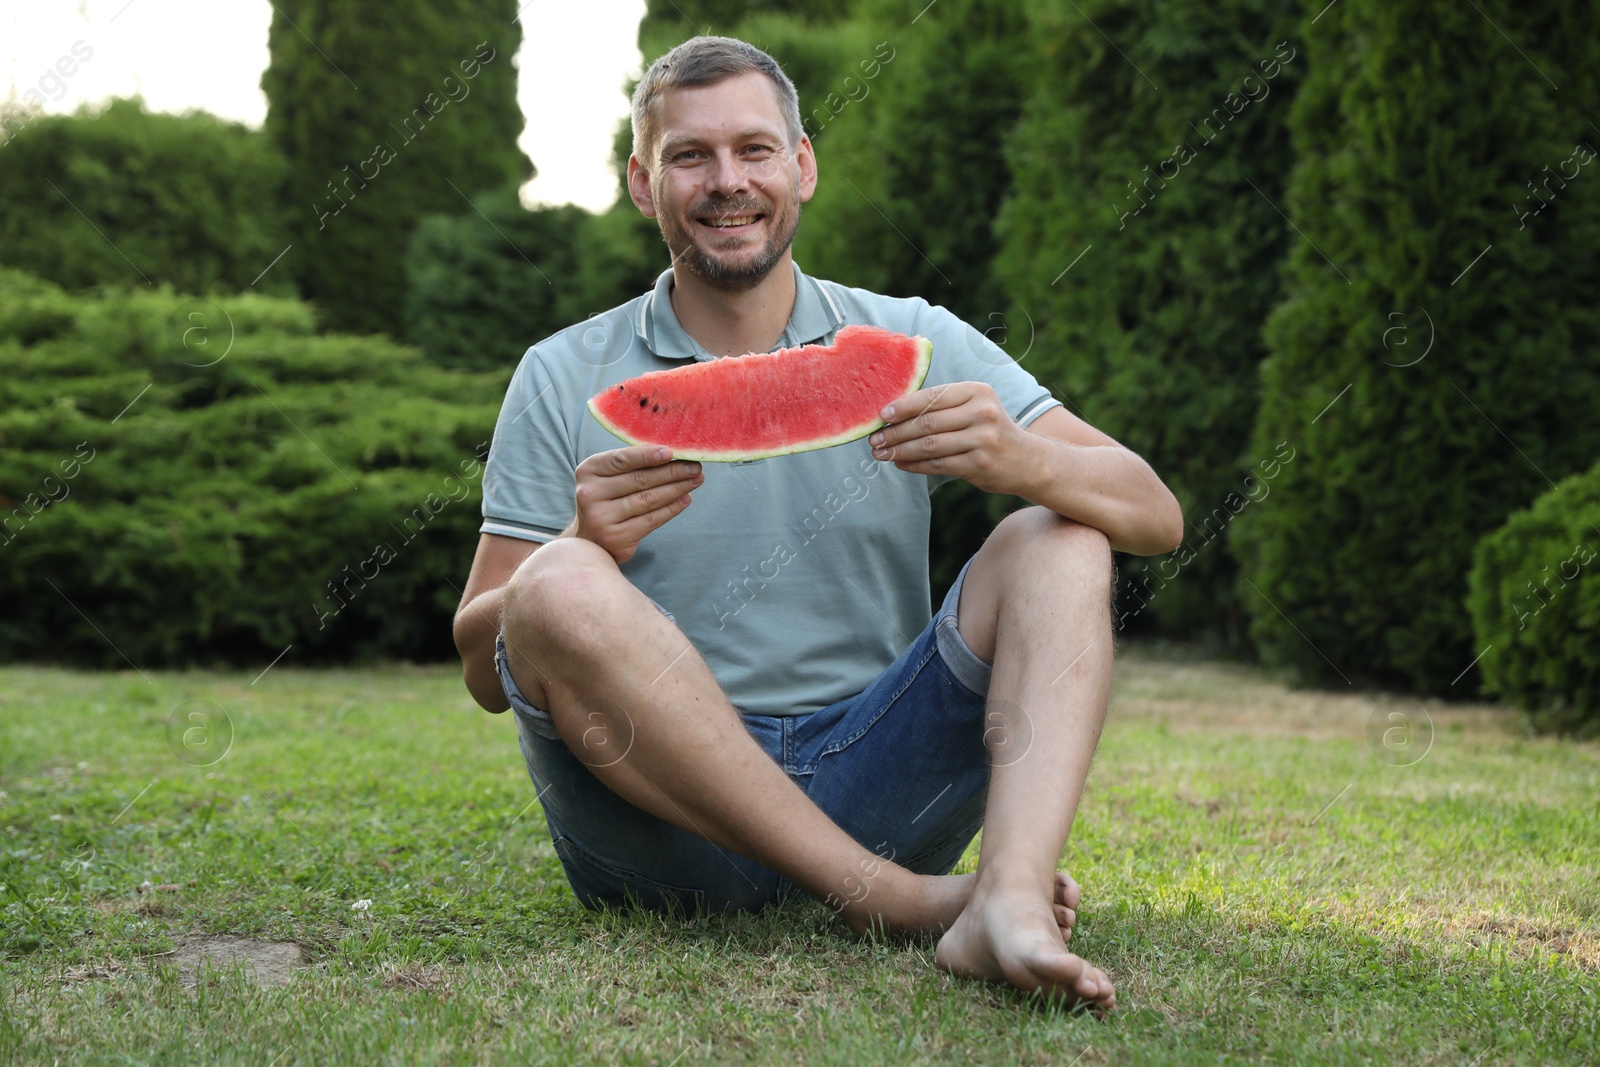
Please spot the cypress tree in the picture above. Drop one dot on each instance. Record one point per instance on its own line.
(1446, 195)
(1142, 244)
(385, 115)
(910, 155)
(670, 22)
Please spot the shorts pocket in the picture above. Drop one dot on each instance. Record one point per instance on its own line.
(860, 729)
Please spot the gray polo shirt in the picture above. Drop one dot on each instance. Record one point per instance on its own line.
(797, 578)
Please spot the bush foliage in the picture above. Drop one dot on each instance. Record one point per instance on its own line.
(486, 284)
(1535, 604)
(125, 197)
(207, 478)
(1418, 131)
(1167, 196)
(191, 480)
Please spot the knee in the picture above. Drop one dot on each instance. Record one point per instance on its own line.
(1047, 544)
(556, 592)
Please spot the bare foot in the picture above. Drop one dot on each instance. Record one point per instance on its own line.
(937, 901)
(1015, 937)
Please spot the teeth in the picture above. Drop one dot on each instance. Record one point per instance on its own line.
(742, 220)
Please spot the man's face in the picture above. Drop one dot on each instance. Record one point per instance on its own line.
(723, 183)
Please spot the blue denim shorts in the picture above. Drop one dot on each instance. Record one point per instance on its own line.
(901, 767)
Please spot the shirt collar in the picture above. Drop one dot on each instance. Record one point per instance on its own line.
(815, 315)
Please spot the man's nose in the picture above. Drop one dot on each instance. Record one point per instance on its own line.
(728, 174)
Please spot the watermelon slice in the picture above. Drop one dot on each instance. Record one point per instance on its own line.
(768, 403)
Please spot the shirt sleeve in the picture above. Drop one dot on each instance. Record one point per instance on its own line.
(529, 476)
(962, 354)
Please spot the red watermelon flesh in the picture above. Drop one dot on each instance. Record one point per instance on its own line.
(768, 403)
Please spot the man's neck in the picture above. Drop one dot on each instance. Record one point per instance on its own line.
(732, 324)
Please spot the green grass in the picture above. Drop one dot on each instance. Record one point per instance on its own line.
(1258, 884)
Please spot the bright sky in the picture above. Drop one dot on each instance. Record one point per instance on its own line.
(180, 54)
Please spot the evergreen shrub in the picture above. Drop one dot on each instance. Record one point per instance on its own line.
(199, 480)
(1535, 604)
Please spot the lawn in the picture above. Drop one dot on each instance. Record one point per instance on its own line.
(1269, 875)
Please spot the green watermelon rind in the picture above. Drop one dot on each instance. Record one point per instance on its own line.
(854, 433)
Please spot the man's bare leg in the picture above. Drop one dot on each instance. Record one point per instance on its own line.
(636, 703)
(1035, 605)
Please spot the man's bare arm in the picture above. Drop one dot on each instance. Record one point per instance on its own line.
(1059, 462)
(478, 618)
(1085, 475)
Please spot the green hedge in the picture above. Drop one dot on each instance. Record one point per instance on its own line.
(125, 197)
(182, 479)
(1417, 132)
(1535, 604)
(486, 284)
(1142, 162)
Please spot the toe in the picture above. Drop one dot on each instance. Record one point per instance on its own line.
(1061, 974)
(1068, 891)
(1065, 917)
(1103, 995)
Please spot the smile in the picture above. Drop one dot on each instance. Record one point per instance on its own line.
(729, 222)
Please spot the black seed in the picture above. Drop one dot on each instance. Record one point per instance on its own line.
(619, 388)
(643, 400)
(655, 407)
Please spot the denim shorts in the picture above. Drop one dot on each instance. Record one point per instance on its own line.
(901, 767)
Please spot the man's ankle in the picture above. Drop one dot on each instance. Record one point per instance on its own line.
(1012, 878)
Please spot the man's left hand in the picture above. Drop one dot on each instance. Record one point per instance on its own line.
(959, 429)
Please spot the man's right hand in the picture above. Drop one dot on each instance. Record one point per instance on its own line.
(627, 492)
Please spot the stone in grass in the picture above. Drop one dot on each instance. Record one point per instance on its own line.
(267, 963)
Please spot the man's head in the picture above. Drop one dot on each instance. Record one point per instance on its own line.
(720, 159)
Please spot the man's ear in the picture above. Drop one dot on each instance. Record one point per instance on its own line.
(806, 159)
(639, 188)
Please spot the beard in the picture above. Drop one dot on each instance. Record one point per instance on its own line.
(736, 276)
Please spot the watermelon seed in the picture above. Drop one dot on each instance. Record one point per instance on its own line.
(643, 400)
(655, 407)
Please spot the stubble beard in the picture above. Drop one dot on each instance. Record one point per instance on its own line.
(733, 278)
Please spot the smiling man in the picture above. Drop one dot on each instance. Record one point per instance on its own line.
(706, 731)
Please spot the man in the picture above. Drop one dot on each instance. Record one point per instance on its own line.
(712, 673)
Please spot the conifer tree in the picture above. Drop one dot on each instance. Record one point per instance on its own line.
(1447, 193)
(1142, 246)
(385, 115)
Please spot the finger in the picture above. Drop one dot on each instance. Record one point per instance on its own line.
(633, 530)
(949, 395)
(942, 420)
(939, 446)
(622, 460)
(648, 500)
(959, 465)
(604, 486)
(641, 479)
